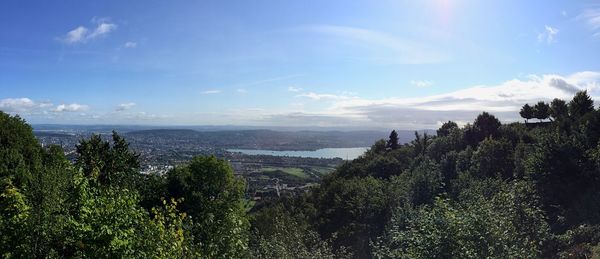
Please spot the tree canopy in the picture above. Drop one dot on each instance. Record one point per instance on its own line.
(485, 190)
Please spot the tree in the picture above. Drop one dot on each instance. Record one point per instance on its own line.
(493, 158)
(278, 233)
(392, 142)
(485, 125)
(509, 224)
(352, 212)
(526, 112)
(109, 165)
(581, 104)
(214, 198)
(20, 153)
(107, 222)
(541, 111)
(559, 109)
(15, 239)
(446, 128)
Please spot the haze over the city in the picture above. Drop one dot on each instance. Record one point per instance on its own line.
(377, 64)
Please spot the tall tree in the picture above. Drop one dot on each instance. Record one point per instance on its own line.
(214, 198)
(526, 112)
(559, 109)
(110, 165)
(581, 104)
(392, 142)
(487, 125)
(541, 111)
(445, 129)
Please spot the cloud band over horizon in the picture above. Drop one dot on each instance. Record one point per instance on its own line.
(343, 110)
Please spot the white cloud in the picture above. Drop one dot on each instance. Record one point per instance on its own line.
(592, 19)
(317, 97)
(211, 92)
(81, 34)
(102, 29)
(125, 106)
(383, 46)
(503, 100)
(421, 83)
(294, 89)
(548, 35)
(76, 35)
(241, 90)
(130, 44)
(22, 105)
(74, 107)
(344, 110)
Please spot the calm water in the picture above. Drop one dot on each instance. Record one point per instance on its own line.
(343, 153)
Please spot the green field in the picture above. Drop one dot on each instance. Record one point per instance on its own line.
(323, 170)
(295, 171)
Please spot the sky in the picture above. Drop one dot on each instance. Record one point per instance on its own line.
(360, 64)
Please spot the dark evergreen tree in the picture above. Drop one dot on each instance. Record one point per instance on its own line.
(581, 104)
(541, 111)
(485, 125)
(445, 129)
(392, 142)
(526, 112)
(109, 165)
(559, 109)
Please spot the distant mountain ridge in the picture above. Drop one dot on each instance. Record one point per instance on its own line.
(267, 139)
(227, 137)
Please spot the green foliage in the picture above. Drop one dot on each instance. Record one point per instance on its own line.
(493, 158)
(108, 164)
(20, 154)
(486, 125)
(50, 208)
(214, 199)
(351, 212)
(446, 128)
(508, 225)
(278, 234)
(541, 111)
(483, 191)
(14, 224)
(486, 190)
(392, 142)
(526, 112)
(559, 109)
(580, 105)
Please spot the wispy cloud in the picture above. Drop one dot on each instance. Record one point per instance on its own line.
(421, 83)
(82, 34)
(387, 46)
(294, 89)
(125, 106)
(548, 35)
(591, 17)
(317, 96)
(211, 92)
(130, 44)
(241, 90)
(74, 107)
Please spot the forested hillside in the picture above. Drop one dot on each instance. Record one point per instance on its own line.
(485, 190)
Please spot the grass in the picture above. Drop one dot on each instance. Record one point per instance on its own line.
(323, 170)
(294, 171)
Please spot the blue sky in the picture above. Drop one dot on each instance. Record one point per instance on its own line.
(387, 64)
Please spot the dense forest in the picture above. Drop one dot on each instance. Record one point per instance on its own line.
(485, 190)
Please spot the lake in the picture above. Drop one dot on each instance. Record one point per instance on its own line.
(343, 153)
